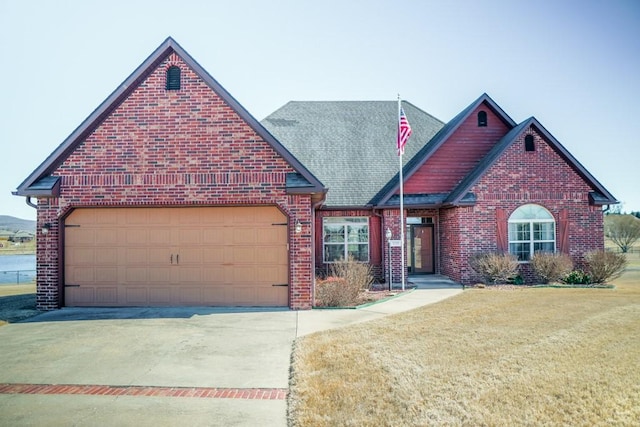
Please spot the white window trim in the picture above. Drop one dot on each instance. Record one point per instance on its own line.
(531, 240)
(346, 242)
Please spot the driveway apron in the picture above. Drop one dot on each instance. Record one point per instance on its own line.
(147, 367)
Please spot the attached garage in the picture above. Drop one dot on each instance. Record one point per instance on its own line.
(190, 256)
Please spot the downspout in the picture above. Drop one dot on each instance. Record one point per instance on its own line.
(314, 207)
(30, 203)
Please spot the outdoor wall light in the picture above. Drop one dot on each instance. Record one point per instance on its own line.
(298, 227)
(46, 228)
(388, 234)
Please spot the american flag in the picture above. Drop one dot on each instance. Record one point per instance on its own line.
(404, 132)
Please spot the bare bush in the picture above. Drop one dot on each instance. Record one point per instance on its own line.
(346, 281)
(334, 292)
(357, 274)
(494, 267)
(551, 267)
(605, 266)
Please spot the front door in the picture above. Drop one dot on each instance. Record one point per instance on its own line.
(422, 256)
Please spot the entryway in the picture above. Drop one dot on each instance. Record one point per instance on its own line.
(421, 259)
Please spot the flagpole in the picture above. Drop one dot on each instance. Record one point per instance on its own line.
(402, 227)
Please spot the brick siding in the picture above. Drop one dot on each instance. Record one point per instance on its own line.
(519, 177)
(173, 148)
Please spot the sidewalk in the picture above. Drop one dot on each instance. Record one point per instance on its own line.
(429, 290)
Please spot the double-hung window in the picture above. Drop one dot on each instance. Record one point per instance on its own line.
(345, 237)
(531, 229)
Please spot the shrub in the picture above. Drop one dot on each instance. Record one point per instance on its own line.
(357, 274)
(551, 267)
(344, 284)
(605, 266)
(334, 292)
(495, 268)
(577, 277)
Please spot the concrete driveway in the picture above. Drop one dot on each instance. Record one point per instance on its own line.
(169, 351)
(164, 366)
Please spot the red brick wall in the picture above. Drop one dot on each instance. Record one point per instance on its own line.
(458, 155)
(178, 148)
(520, 177)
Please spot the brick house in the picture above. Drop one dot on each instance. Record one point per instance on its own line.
(479, 183)
(171, 193)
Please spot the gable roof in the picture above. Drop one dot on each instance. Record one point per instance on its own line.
(40, 184)
(600, 196)
(393, 185)
(350, 145)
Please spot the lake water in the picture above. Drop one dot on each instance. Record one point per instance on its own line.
(11, 264)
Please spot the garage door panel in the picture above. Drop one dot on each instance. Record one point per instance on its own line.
(136, 275)
(80, 296)
(159, 275)
(245, 295)
(271, 235)
(135, 295)
(84, 256)
(159, 295)
(106, 295)
(129, 256)
(189, 236)
(78, 236)
(82, 275)
(190, 256)
(190, 295)
(136, 236)
(108, 275)
(244, 236)
(160, 236)
(105, 256)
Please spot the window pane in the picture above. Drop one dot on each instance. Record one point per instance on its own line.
(333, 233)
(520, 250)
(333, 253)
(530, 212)
(359, 252)
(519, 231)
(544, 247)
(358, 233)
(543, 231)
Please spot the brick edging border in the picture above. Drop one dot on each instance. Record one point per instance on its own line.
(146, 391)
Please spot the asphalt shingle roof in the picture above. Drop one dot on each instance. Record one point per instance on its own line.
(349, 145)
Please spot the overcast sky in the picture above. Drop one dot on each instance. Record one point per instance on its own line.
(574, 65)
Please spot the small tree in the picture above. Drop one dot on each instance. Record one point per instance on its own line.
(623, 230)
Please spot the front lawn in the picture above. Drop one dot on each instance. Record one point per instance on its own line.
(530, 356)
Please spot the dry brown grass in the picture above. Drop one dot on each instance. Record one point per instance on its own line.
(518, 357)
(6, 290)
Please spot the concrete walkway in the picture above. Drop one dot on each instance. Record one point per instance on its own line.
(165, 366)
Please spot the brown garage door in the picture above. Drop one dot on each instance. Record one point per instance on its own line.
(231, 256)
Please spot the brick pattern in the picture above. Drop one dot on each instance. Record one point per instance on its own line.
(173, 148)
(519, 177)
(147, 391)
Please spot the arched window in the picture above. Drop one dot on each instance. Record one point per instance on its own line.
(482, 118)
(531, 229)
(529, 145)
(173, 78)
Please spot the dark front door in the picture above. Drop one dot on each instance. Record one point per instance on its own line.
(422, 255)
